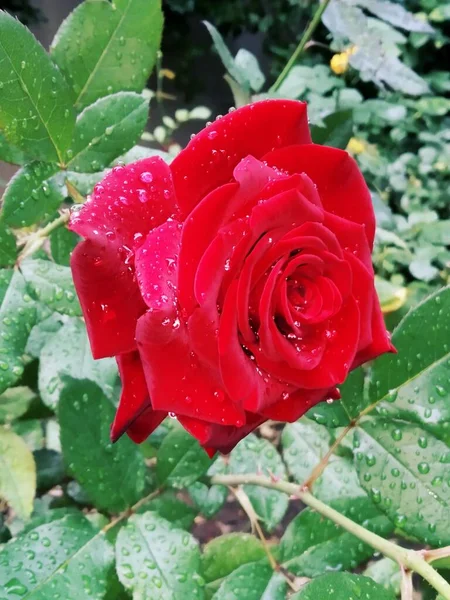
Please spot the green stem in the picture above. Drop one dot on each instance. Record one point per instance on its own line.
(35, 241)
(301, 46)
(408, 559)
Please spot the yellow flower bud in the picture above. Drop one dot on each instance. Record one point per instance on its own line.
(339, 63)
(356, 146)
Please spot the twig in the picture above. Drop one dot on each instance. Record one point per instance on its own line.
(407, 589)
(407, 559)
(247, 506)
(35, 240)
(132, 510)
(301, 46)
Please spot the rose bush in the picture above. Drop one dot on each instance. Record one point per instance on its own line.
(236, 284)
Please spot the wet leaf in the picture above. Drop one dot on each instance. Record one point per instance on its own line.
(52, 285)
(222, 555)
(156, 561)
(404, 470)
(107, 129)
(343, 586)
(36, 111)
(254, 581)
(85, 416)
(305, 443)
(181, 460)
(33, 194)
(103, 48)
(313, 544)
(256, 455)
(67, 558)
(67, 353)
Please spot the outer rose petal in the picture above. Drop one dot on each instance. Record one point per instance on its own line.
(381, 341)
(134, 409)
(219, 437)
(209, 159)
(341, 185)
(124, 207)
(109, 297)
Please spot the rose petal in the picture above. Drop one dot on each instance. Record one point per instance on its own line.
(219, 437)
(337, 360)
(103, 282)
(134, 402)
(213, 213)
(156, 267)
(294, 405)
(339, 181)
(381, 341)
(114, 221)
(209, 159)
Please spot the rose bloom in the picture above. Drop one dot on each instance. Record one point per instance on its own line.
(234, 285)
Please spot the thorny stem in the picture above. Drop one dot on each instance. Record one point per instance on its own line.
(407, 559)
(301, 45)
(133, 509)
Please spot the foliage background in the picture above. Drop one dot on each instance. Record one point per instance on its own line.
(379, 457)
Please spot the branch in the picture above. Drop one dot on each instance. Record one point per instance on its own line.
(407, 559)
(35, 240)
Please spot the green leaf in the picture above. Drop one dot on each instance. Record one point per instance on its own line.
(66, 558)
(343, 586)
(17, 473)
(11, 154)
(41, 332)
(85, 416)
(48, 516)
(50, 469)
(17, 317)
(304, 445)
(181, 460)
(14, 402)
(31, 432)
(35, 106)
(329, 414)
(107, 129)
(254, 455)
(387, 573)
(67, 352)
(210, 499)
(8, 247)
(440, 14)
(103, 48)
(33, 194)
(396, 15)
(62, 243)
(337, 129)
(222, 555)
(171, 508)
(405, 382)
(254, 581)
(249, 66)
(312, 544)
(226, 57)
(52, 285)
(85, 182)
(403, 469)
(157, 561)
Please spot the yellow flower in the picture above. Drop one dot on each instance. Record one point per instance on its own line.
(339, 62)
(356, 146)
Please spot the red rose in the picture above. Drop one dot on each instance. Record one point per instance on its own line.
(234, 285)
